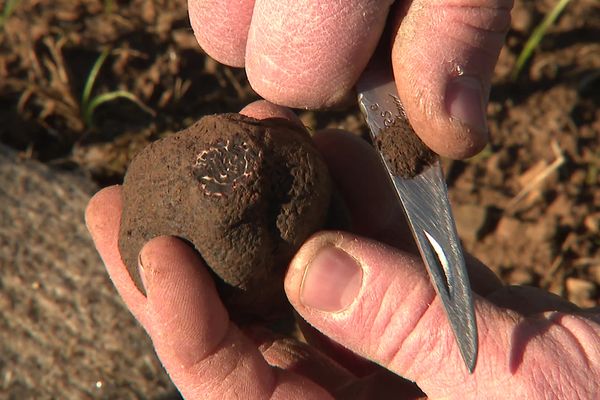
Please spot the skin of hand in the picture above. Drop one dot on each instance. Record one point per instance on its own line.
(368, 311)
(443, 54)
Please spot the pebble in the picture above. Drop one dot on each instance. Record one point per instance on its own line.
(581, 292)
(508, 227)
(592, 223)
(520, 277)
(521, 19)
(595, 273)
(470, 219)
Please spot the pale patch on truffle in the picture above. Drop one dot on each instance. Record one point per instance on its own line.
(225, 165)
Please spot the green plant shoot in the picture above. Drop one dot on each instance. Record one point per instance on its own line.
(537, 36)
(89, 105)
(9, 8)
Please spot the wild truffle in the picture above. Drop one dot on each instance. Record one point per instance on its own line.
(403, 150)
(245, 193)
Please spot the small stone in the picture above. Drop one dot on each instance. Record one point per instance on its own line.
(542, 230)
(508, 227)
(592, 223)
(148, 12)
(595, 273)
(470, 220)
(520, 277)
(210, 65)
(521, 18)
(581, 292)
(184, 39)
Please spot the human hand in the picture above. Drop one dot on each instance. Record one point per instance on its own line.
(372, 298)
(309, 54)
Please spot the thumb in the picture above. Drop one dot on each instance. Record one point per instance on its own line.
(379, 303)
(443, 55)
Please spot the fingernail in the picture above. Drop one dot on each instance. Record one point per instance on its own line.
(331, 281)
(141, 272)
(464, 101)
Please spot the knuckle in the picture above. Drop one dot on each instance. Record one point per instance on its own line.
(402, 327)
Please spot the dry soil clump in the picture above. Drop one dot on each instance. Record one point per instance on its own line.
(245, 193)
(403, 150)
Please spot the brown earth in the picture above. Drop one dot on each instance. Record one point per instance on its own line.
(64, 331)
(528, 205)
(404, 152)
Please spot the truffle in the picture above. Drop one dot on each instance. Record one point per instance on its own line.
(245, 193)
(403, 150)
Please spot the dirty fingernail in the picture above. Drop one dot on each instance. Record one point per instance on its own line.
(331, 281)
(464, 101)
(141, 271)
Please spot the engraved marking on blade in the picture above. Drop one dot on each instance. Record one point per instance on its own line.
(387, 116)
(398, 104)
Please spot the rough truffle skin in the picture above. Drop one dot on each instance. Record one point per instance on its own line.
(245, 193)
(403, 150)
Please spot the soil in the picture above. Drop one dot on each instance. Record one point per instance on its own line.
(528, 205)
(404, 152)
(245, 193)
(64, 331)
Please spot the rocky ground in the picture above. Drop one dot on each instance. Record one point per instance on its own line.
(528, 205)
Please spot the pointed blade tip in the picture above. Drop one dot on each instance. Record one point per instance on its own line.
(469, 352)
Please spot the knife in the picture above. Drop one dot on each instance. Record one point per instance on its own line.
(421, 189)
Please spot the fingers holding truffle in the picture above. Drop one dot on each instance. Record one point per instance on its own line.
(205, 355)
(181, 298)
(263, 109)
(188, 323)
(103, 219)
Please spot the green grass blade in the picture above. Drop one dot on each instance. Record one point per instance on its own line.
(108, 6)
(91, 79)
(537, 35)
(9, 7)
(88, 112)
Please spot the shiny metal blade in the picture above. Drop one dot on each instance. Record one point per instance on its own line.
(425, 202)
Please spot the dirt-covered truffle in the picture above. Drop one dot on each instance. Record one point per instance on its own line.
(245, 193)
(403, 150)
